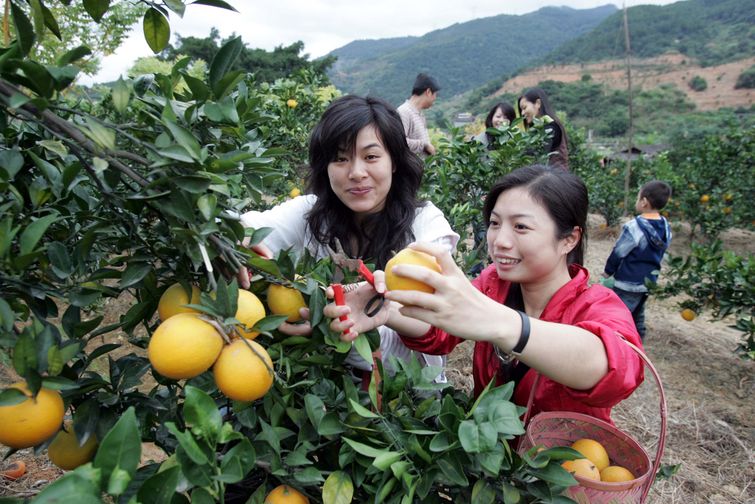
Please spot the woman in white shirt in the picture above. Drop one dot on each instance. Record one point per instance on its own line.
(362, 191)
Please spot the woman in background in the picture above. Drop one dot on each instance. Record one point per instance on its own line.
(534, 103)
(501, 113)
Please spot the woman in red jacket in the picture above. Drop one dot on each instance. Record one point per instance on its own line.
(530, 311)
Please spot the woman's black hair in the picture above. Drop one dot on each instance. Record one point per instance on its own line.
(508, 112)
(534, 94)
(375, 236)
(562, 194)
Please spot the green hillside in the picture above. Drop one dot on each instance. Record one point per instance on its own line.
(712, 31)
(462, 56)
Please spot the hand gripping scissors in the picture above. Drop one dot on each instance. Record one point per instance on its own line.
(344, 262)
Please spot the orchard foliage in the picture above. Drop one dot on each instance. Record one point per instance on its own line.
(119, 198)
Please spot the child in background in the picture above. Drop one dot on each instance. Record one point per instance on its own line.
(636, 257)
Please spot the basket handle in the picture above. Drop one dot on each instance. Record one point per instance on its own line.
(663, 409)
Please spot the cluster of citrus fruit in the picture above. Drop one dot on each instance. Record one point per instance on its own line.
(595, 465)
(37, 419)
(186, 344)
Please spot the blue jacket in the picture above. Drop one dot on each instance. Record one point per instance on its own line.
(638, 253)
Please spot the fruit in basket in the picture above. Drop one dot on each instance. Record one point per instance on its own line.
(583, 468)
(615, 474)
(593, 451)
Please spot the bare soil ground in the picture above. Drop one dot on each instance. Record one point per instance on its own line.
(709, 391)
(649, 73)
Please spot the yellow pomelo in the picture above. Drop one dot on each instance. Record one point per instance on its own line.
(616, 474)
(173, 299)
(413, 257)
(294, 192)
(66, 452)
(583, 468)
(285, 301)
(184, 346)
(284, 494)
(593, 451)
(250, 311)
(33, 420)
(242, 374)
(688, 314)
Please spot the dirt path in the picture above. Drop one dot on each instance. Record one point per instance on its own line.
(709, 390)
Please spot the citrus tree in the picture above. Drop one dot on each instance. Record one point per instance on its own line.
(136, 197)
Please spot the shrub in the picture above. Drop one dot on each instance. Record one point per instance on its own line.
(697, 83)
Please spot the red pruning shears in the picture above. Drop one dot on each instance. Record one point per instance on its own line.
(344, 262)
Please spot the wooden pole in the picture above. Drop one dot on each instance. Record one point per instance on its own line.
(630, 130)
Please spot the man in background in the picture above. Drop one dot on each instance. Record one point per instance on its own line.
(424, 93)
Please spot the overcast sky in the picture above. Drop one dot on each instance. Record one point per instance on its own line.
(325, 25)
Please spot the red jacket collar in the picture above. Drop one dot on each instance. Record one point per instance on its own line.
(497, 289)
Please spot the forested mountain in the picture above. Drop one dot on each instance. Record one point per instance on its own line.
(462, 56)
(711, 31)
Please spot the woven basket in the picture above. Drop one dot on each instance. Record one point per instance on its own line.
(562, 428)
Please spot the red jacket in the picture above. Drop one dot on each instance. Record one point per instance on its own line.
(595, 309)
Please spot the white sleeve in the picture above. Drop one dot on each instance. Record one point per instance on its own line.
(430, 225)
(288, 221)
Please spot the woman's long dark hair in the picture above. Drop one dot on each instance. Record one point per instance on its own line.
(562, 193)
(376, 236)
(508, 112)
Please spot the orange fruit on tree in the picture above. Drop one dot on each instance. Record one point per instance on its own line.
(284, 494)
(173, 299)
(285, 301)
(593, 451)
(66, 452)
(33, 420)
(688, 314)
(616, 474)
(415, 258)
(704, 198)
(243, 373)
(14, 471)
(184, 346)
(250, 310)
(728, 197)
(294, 192)
(582, 468)
(727, 210)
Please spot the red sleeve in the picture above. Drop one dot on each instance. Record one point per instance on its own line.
(436, 341)
(602, 313)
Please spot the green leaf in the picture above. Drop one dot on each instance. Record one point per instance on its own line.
(24, 354)
(555, 474)
(99, 134)
(118, 481)
(225, 86)
(24, 29)
(11, 396)
(199, 89)
(201, 496)
(50, 22)
(135, 273)
(59, 260)
(237, 462)
(453, 470)
(196, 184)
(79, 486)
(362, 346)
(477, 438)
(159, 487)
(200, 411)
(176, 6)
(33, 233)
(269, 323)
(338, 489)
(189, 444)
(223, 61)
(184, 138)
(11, 161)
(54, 361)
(7, 316)
(215, 3)
(207, 203)
(386, 459)
(38, 17)
(156, 30)
(362, 411)
(120, 93)
(505, 417)
(510, 494)
(96, 8)
(120, 449)
(483, 493)
(363, 449)
(73, 55)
